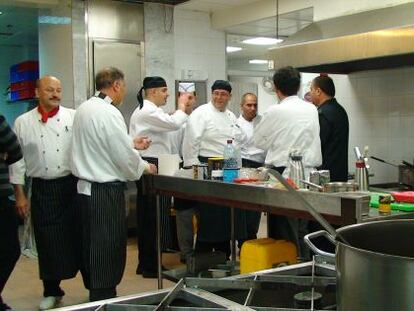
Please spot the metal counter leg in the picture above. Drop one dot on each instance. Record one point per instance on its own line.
(233, 238)
(159, 255)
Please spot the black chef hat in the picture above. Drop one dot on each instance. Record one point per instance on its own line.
(221, 85)
(149, 83)
(153, 82)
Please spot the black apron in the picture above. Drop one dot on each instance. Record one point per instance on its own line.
(214, 222)
(247, 222)
(147, 224)
(104, 235)
(54, 223)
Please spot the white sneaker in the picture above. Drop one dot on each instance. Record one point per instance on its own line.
(49, 302)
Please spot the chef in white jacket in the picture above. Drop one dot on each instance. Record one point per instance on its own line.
(185, 209)
(293, 124)
(252, 157)
(207, 131)
(103, 157)
(149, 120)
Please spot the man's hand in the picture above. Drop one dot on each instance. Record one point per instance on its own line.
(186, 102)
(21, 202)
(142, 143)
(152, 169)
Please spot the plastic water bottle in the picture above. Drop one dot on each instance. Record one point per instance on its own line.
(231, 166)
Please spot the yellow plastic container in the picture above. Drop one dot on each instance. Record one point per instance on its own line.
(266, 253)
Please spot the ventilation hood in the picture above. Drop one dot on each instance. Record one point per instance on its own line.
(378, 39)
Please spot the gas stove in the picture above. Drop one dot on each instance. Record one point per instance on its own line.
(305, 286)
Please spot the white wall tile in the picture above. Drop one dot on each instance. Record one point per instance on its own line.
(380, 106)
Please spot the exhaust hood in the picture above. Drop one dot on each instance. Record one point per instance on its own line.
(377, 39)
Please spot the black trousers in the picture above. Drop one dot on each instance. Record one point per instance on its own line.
(146, 229)
(252, 218)
(279, 227)
(9, 241)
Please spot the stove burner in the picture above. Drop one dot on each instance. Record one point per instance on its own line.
(304, 300)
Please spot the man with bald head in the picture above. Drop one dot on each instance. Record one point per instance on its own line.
(45, 136)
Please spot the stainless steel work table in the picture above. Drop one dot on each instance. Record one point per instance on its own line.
(340, 209)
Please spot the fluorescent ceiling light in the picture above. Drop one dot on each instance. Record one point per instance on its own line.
(262, 41)
(231, 49)
(258, 61)
(54, 20)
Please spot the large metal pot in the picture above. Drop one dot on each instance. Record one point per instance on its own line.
(376, 270)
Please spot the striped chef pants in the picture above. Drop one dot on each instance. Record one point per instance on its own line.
(104, 236)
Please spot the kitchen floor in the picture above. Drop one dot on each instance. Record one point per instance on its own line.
(23, 291)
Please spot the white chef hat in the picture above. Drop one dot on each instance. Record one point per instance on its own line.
(184, 87)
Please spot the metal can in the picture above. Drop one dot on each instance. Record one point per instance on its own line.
(200, 171)
(314, 177)
(324, 177)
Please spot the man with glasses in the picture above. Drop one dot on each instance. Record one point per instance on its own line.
(208, 129)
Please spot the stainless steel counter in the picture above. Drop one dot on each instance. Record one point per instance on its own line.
(338, 208)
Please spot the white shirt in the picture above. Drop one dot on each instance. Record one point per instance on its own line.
(248, 149)
(207, 132)
(291, 125)
(102, 149)
(153, 122)
(45, 146)
(176, 140)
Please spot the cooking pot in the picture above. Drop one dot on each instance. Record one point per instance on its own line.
(375, 269)
(334, 186)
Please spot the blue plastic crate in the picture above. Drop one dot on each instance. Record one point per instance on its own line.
(23, 76)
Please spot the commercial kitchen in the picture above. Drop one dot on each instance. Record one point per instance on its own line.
(366, 47)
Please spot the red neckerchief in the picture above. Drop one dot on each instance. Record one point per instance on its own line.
(46, 115)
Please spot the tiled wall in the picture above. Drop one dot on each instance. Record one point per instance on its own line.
(159, 45)
(380, 106)
(199, 49)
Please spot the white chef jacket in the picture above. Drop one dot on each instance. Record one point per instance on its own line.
(45, 146)
(102, 149)
(248, 149)
(291, 125)
(153, 122)
(176, 140)
(207, 132)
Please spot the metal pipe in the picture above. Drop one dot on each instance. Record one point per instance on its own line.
(309, 207)
(159, 254)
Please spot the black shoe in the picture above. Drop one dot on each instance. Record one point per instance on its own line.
(4, 307)
(149, 274)
(152, 273)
